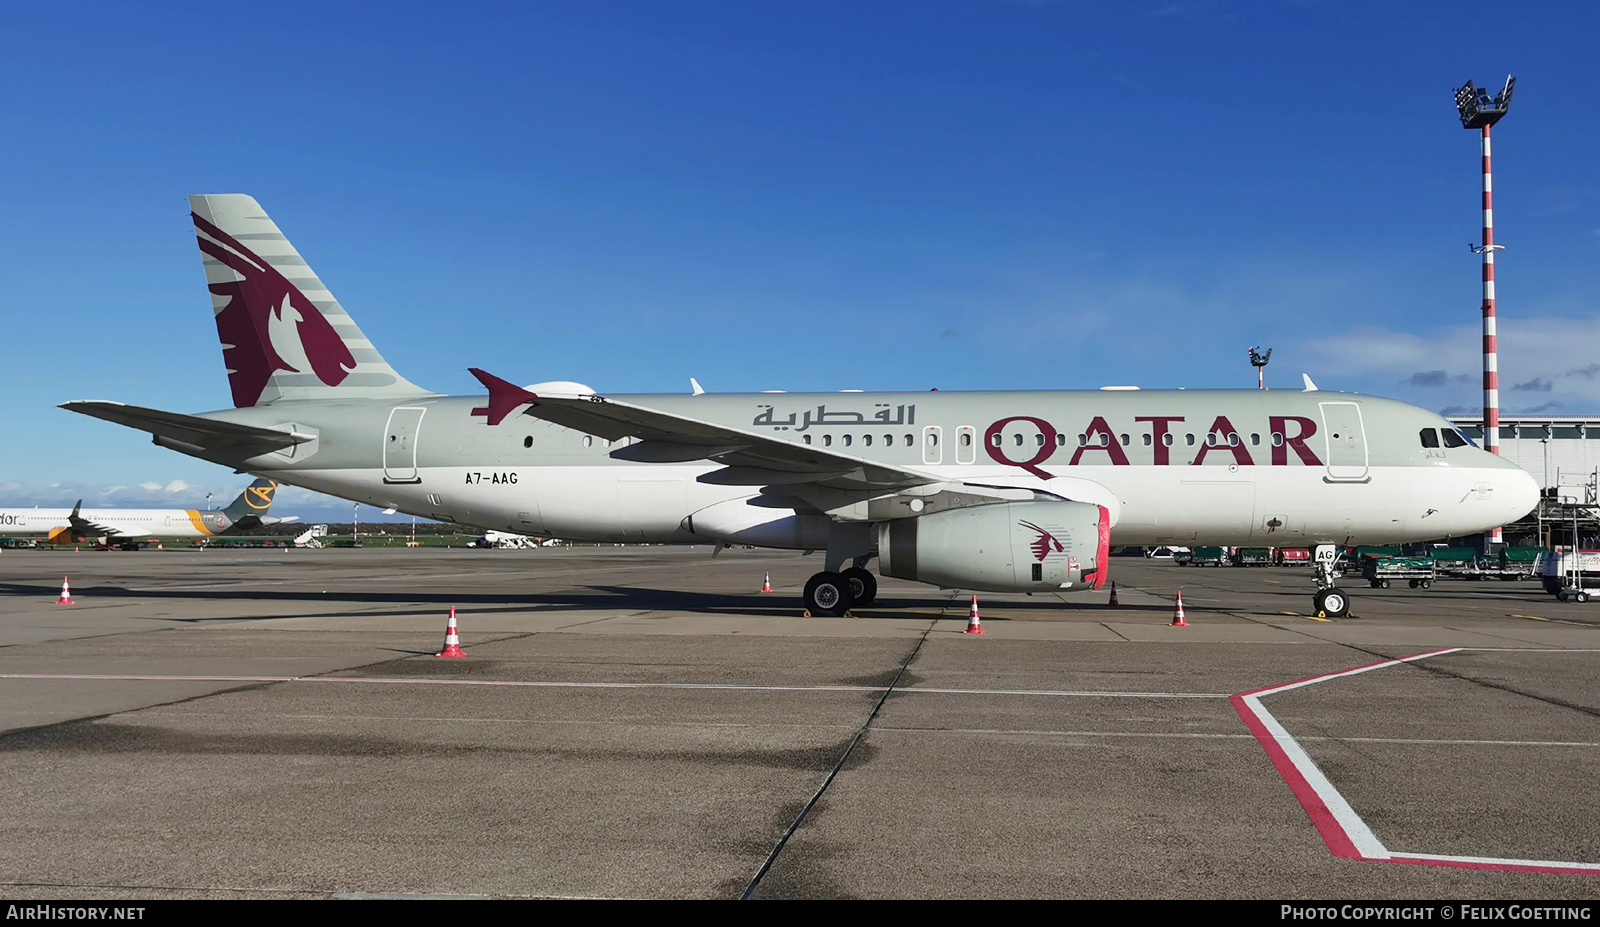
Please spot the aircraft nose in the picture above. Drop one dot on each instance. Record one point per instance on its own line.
(1519, 492)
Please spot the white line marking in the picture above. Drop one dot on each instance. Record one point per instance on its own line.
(538, 684)
(1349, 826)
(1355, 829)
(1497, 862)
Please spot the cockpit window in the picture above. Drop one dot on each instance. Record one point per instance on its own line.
(1452, 438)
(1430, 437)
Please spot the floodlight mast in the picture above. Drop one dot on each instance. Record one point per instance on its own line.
(1258, 360)
(1479, 111)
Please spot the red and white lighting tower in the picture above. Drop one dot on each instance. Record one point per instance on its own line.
(1258, 360)
(1480, 111)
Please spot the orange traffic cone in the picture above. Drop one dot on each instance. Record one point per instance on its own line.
(1177, 615)
(452, 642)
(1113, 603)
(974, 626)
(766, 582)
(66, 594)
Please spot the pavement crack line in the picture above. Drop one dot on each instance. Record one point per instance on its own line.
(844, 757)
(1431, 667)
(1114, 631)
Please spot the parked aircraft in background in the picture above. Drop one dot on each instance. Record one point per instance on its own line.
(993, 491)
(129, 528)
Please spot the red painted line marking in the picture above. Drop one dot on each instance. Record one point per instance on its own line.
(1331, 815)
(1334, 835)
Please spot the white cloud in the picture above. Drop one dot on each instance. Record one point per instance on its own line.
(1557, 353)
(175, 486)
(150, 486)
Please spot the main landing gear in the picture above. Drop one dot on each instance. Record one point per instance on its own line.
(1330, 601)
(830, 593)
(844, 581)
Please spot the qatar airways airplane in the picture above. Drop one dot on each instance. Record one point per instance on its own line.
(989, 491)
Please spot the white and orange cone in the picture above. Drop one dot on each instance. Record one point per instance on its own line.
(766, 582)
(66, 594)
(1177, 614)
(974, 626)
(452, 642)
(1114, 603)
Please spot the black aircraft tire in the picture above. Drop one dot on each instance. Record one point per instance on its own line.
(1334, 603)
(863, 585)
(828, 594)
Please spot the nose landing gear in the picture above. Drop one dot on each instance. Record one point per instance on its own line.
(1330, 601)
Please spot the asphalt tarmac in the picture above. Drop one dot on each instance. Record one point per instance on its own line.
(644, 722)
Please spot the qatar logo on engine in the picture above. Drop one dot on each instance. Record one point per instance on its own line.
(1044, 544)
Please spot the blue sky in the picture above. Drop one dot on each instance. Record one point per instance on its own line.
(986, 194)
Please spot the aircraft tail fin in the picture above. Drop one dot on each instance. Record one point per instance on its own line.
(283, 334)
(255, 500)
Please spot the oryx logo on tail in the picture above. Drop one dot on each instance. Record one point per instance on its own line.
(268, 324)
(1044, 544)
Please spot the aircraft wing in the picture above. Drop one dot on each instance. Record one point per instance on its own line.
(81, 526)
(749, 459)
(195, 430)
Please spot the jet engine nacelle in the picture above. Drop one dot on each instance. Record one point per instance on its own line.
(1004, 547)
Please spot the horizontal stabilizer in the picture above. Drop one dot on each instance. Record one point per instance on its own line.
(206, 433)
(504, 396)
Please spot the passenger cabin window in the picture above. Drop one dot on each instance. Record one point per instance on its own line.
(1083, 440)
(910, 441)
(1189, 440)
(1019, 439)
(1233, 440)
(1061, 440)
(1430, 437)
(827, 440)
(806, 439)
(1147, 440)
(995, 440)
(1277, 439)
(1452, 438)
(1124, 440)
(528, 441)
(888, 440)
(1167, 440)
(847, 440)
(866, 440)
(1255, 440)
(1039, 439)
(1211, 439)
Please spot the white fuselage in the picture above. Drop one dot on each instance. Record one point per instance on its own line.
(141, 523)
(1262, 506)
